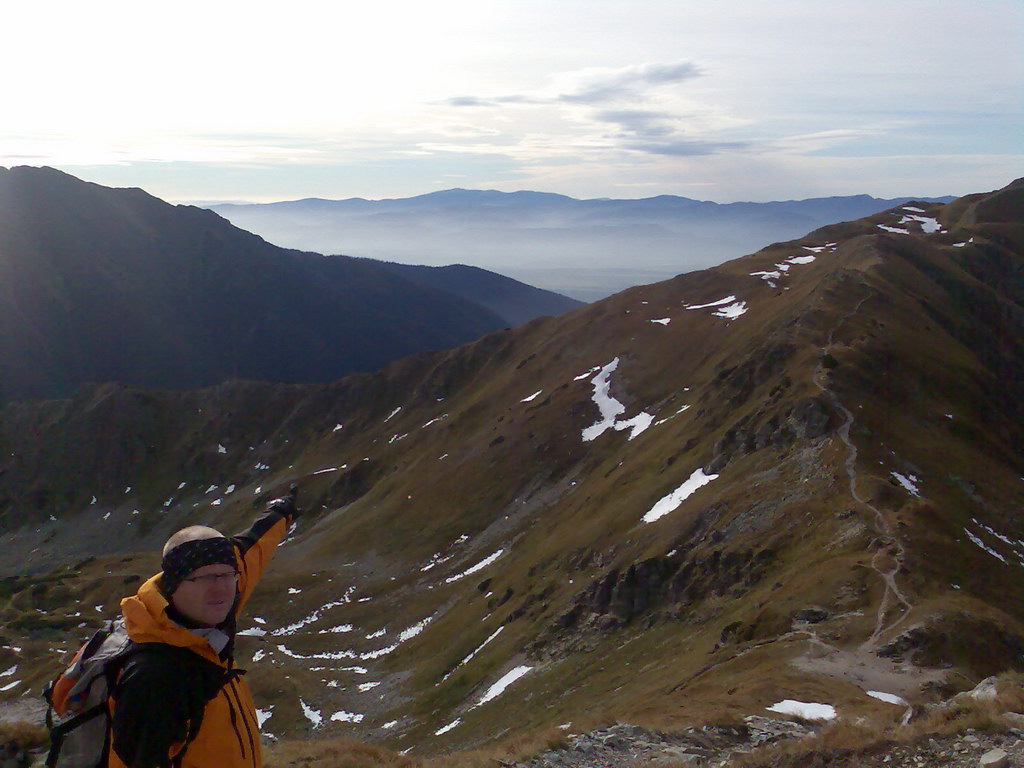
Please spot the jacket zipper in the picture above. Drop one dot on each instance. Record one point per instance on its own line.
(245, 722)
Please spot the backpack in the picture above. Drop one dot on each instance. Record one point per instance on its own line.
(80, 733)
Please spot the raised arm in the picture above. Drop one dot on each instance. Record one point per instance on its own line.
(256, 546)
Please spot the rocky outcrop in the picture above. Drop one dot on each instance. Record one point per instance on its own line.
(982, 646)
(807, 419)
(655, 589)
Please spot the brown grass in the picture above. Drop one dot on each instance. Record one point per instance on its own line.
(507, 751)
(335, 753)
(23, 735)
(841, 742)
(348, 753)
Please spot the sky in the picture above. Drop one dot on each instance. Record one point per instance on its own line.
(727, 100)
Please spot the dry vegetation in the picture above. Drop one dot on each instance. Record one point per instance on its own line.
(347, 753)
(839, 743)
(844, 740)
(23, 735)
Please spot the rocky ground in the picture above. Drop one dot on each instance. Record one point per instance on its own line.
(627, 746)
(999, 745)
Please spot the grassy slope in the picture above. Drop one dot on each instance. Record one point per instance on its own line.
(704, 628)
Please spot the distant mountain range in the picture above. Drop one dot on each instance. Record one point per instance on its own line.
(793, 477)
(100, 284)
(587, 249)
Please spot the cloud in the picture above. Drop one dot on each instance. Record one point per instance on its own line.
(494, 101)
(821, 140)
(639, 122)
(689, 147)
(469, 101)
(600, 86)
(611, 102)
(594, 86)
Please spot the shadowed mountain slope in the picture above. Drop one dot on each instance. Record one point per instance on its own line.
(512, 300)
(793, 476)
(104, 284)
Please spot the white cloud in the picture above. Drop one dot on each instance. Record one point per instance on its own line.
(585, 97)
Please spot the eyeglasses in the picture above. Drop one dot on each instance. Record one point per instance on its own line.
(209, 579)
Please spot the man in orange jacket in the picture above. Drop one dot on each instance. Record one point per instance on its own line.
(180, 701)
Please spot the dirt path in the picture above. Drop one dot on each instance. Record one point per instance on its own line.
(892, 548)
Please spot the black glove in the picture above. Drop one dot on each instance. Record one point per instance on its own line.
(287, 505)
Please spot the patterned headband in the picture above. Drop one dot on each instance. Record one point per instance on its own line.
(192, 555)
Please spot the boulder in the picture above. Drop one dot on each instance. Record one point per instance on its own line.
(812, 614)
(986, 690)
(1015, 720)
(994, 758)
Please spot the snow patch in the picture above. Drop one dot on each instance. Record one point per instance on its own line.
(805, 710)
(346, 717)
(499, 687)
(720, 302)
(315, 615)
(313, 715)
(478, 567)
(341, 628)
(587, 373)
(891, 698)
(909, 482)
(445, 729)
(732, 311)
(663, 321)
(671, 502)
(474, 653)
(531, 398)
(928, 226)
(610, 409)
(392, 414)
(984, 546)
(768, 277)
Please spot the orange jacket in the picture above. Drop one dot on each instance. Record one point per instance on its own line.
(151, 694)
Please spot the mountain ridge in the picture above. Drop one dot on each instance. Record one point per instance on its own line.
(794, 476)
(104, 284)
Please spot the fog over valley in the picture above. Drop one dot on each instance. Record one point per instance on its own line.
(586, 249)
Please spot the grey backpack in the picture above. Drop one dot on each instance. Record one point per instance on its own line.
(78, 712)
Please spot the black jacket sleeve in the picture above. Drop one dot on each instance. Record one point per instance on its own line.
(152, 712)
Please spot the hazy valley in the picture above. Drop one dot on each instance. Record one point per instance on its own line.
(586, 249)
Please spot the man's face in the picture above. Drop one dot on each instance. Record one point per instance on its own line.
(207, 595)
